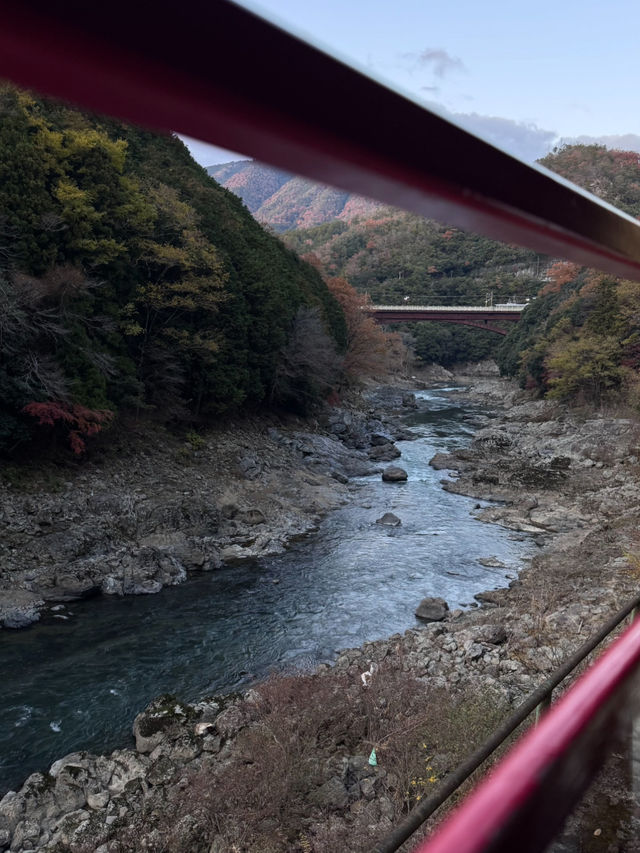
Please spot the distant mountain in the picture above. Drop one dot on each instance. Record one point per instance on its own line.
(284, 201)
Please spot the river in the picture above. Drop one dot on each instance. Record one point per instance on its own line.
(77, 684)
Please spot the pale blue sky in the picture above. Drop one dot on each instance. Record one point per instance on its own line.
(566, 66)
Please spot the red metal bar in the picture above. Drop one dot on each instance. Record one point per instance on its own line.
(521, 806)
(219, 73)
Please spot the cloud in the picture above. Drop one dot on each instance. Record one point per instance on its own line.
(523, 139)
(439, 61)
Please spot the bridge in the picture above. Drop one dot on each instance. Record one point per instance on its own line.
(479, 317)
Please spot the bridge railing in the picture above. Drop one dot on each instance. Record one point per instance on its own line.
(558, 793)
(474, 309)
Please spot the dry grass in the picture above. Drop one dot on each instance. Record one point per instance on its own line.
(306, 730)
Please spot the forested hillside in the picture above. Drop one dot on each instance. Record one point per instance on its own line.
(580, 340)
(283, 201)
(131, 281)
(393, 256)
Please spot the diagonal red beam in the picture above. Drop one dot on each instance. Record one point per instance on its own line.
(220, 73)
(523, 803)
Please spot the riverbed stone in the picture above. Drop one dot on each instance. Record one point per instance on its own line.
(384, 453)
(163, 717)
(394, 474)
(491, 563)
(230, 721)
(12, 808)
(442, 461)
(389, 520)
(432, 609)
(253, 516)
(332, 794)
(19, 608)
(98, 799)
(495, 634)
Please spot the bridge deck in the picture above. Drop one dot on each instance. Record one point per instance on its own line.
(494, 310)
(478, 317)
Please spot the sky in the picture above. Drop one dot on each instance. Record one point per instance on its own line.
(554, 69)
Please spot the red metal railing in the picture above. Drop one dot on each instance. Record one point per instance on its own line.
(220, 73)
(522, 804)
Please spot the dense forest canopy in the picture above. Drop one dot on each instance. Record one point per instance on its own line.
(580, 341)
(395, 256)
(578, 337)
(131, 281)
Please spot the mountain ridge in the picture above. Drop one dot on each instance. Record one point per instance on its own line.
(285, 201)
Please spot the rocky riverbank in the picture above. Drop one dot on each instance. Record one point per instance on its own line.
(289, 766)
(146, 514)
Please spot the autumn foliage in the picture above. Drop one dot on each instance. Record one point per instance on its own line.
(370, 350)
(558, 275)
(79, 422)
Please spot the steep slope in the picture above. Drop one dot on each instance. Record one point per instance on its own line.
(284, 201)
(130, 280)
(581, 339)
(396, 257)
(254, 183)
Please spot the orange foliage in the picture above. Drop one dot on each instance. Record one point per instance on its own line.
(370, 350)
(80, 421)
(560, 274)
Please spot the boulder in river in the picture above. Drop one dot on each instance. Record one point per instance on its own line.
(394, 474)
(432, 609)
(384, 452)
(442, 461)
(389, 520)
(379, 439)
(19, 608)
(491, 563)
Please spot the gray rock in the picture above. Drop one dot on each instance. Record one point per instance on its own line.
(384, 453)
(11, 811)
(253, 516)
(389, 520)
(26, 835)
(19, 608)
(155, 723)
(332, 794)
(493, 634)
(393, 474)
(128, 768)
(230, 721)
(250, 466)
(491, 563)
(70, 587)
(442, 461)
(493, 597)
(380, 439)
(98, 799)
(432, 609)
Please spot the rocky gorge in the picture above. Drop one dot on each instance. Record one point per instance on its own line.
(132, 520)
(286, 766)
